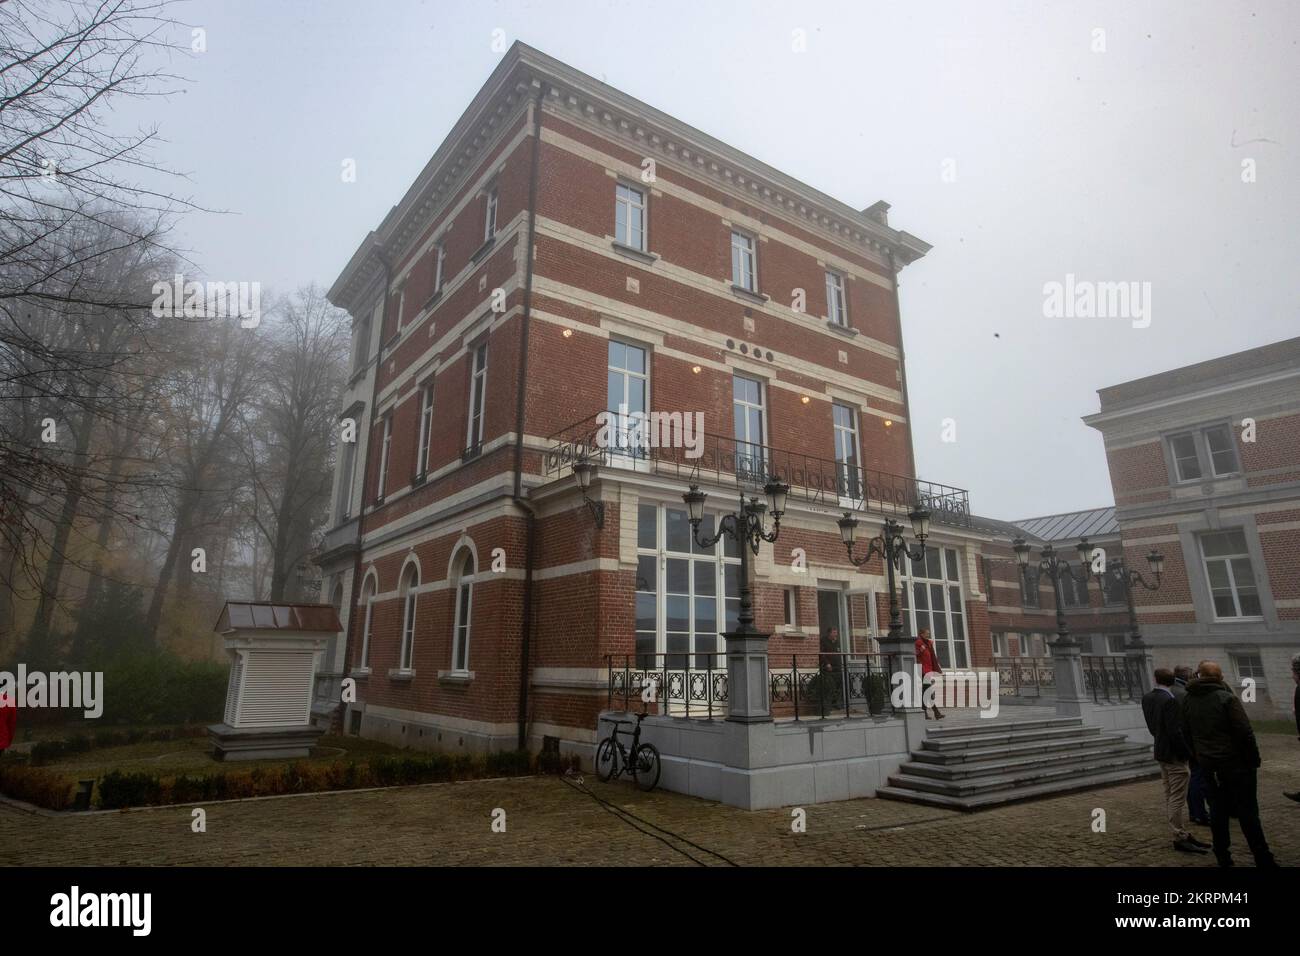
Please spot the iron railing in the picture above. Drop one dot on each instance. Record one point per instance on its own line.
(812, 686)
(1112, 677)
(606, 439)
(1025, 676)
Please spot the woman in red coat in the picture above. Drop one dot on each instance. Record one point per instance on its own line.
(928, 660)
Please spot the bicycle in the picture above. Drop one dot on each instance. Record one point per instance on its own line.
(612, 761)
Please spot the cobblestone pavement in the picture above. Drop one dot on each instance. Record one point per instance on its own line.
(548, 821)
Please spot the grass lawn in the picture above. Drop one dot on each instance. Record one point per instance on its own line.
(1274, 727)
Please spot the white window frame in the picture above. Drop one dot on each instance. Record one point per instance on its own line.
(1227, 560)
(401, 305)
(837, 309)
(790, 607)
(410, 587)
(630, 198)
(477, 397)
(1237, 657)
(490, 215)
(1232, 445)
(856, 464)
(369, 603)
(748, 441)
(627, 458)
(744, 250)
(439, 261)
(945, 584)
(426, 429)
(347, 473)
(997, 641)
(384, 456)
(462, 631)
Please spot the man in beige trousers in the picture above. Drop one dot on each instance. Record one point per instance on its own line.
(1164, 720)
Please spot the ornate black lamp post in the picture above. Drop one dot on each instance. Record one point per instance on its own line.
(1057, 568)
(891, 547)
(748, 690)
(748, 529)
(1121, 574)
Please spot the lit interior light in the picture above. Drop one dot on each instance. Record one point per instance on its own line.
(695, 369)
(568, 333)
(805, 399)
(889, 422)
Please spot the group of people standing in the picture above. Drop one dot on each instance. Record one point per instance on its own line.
(1208, 754)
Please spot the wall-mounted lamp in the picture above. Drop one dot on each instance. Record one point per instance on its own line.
(584, 471)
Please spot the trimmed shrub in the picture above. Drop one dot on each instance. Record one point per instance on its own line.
(39, 787)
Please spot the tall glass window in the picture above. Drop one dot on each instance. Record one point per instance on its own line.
(932, 598)
(464, 585)
(835, 308)
(747, 415)
(629, 216)
(1230, 575)
(426, 429)
(628, 397)
(848, 477)
(742, 262)
(685, 595)
(477, 399)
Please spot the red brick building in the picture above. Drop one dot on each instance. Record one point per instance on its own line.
(568, 251)
(1205, 465)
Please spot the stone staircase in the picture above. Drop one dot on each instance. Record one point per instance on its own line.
(974, 765)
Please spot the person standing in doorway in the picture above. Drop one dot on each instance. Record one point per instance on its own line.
(1222, 741)
(928, 660)
(1196, 809)
(1164, 720)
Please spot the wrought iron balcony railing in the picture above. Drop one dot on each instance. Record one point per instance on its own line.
(724, 460)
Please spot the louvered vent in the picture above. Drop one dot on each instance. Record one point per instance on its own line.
(277, 689)
(232, 689)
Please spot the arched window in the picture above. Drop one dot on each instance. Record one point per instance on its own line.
(367, 602)
(464, 590)
(410, 581)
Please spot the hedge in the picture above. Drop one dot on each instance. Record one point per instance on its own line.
(39, 787)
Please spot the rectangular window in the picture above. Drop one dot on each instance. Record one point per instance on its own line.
(629, 216)
(361, 347)
(1230, 576)
(747, 420)
(1249, 665)
(1114, 587)
(1028, 586)
(439, 263)
(477, 398)
(1186, 463)
(791, 606)
(742, 262)
(835, 307)
(1223, 451)
(627, 394)
(848, 477)
(932, 598)
(426, 430)
(1074, 593)
(401, 307)
(1115, 643)
(490, 217)
(347, 467)
(685, 594)
(384, 451)
(998, 649)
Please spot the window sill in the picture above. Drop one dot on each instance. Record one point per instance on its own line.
(750, 296)
(469, 454)
(483, 250)
(360, 673)
(433, 300)
(1239, 620)
(401, 674)
(841, 329)
(455, 678)
(418, 480)
(641, 255)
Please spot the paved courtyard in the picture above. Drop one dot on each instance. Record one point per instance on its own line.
(551, 821)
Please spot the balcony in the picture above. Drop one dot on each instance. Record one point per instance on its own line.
(745, 466)
(339, 542)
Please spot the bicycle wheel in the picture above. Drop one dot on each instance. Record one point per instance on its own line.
(606, 761)
(645, 767)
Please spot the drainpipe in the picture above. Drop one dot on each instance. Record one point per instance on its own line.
(530, 511)
(365, 463)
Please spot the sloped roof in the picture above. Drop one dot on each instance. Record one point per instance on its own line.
(1071, 525)
(266, 616)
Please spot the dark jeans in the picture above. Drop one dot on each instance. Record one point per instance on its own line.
(1196, 794)
(1232, 793)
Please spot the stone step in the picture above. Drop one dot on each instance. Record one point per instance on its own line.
(1007, 739)
(1000, 797)
(980, 726)
(1024, 778)
(984, 768)
(1058, 745)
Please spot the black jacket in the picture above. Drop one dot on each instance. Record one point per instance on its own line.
(1164, 720)
(1216, 726)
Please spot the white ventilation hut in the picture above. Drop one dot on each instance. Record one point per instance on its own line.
(273, 650)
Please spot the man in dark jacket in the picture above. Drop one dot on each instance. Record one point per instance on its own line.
(1164, 720)
(1196, 808)
(1222, 741)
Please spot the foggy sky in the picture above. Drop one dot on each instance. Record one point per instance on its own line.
(1123, 165)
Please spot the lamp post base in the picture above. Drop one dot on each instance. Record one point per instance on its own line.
(748, 684)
